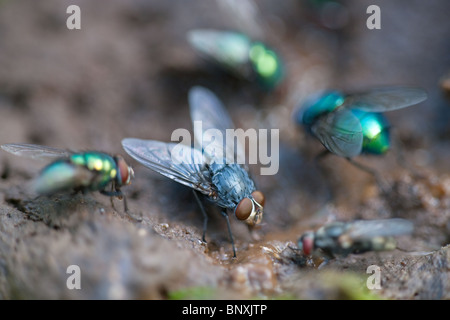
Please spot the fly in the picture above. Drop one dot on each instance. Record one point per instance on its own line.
(352, 124)
(354, 237)
(240, 55)
(78, 171)
(243, 53)
(224, 182)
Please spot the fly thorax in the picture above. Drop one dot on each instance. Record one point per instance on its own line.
(318, 105)
(327, 236)
(232, 183)
(100, 163)
(266, 65)
(332, 230)
(325, 242)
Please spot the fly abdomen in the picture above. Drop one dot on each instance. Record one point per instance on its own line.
(61, 175)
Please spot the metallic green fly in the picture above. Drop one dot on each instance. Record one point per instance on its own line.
(78, 171)
(240, 55)
(351, 124)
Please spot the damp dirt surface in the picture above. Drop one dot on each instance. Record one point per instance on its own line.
(127, 73)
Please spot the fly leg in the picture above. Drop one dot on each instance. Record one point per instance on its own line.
(322, 155)
(118, 193)
(356, 164)
(205, 216)
(111, 198)
(223, 212)
(39, 196)
(372, 172)
(317, 158)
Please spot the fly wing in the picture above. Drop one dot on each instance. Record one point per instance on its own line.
(175, 161)
(367, 229)
(340, 132)
(228, 49)
(245, 15)
(385, 99)
(211, 120)
(35, 151)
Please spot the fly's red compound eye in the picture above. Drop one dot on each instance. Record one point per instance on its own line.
(126, 172)
(259, 197)
(307, 244)
(244, 209)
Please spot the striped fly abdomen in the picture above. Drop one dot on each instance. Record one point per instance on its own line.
(61, 175)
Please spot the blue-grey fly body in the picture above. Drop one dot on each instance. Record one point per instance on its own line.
(223, 181)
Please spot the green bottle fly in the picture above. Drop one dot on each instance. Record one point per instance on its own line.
(240, 55)
(85, 171)
(351, 124)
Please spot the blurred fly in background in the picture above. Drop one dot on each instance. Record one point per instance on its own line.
(225, 182)
(352, 124)
(238, 54)
(242, 53)
(354, 237)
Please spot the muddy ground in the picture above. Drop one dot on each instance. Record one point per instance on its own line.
(127, 72)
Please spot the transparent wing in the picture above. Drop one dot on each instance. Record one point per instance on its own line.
(228, 49)
(35, 151)
(385, 99)
(245, 15)
(211, 121)
(367, 229)
(175, 161)
(340, 132)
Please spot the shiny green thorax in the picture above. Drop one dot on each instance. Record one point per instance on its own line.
(99, 162)
(237, 49)
(375, 127)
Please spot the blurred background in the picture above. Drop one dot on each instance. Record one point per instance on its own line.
(127, 73)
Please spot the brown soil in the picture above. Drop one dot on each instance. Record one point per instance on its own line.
(127, 72)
